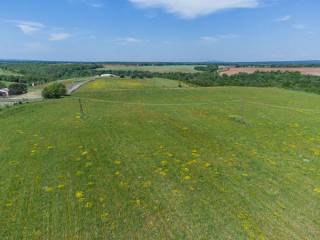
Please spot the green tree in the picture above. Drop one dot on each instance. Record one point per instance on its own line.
(55, 90)
(18, 89)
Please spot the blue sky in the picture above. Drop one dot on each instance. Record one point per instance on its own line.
(160, 30)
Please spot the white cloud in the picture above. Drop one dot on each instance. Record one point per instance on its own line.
(218, 38)
(195, 8)
(284, 18)
(59, 36)
(128, 40)
(28, 27)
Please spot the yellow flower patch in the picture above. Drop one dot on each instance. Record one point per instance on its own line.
(48, 189)
(317, 190)
(79, 194)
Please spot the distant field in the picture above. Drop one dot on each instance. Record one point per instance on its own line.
(161, 69)
(148, 160)
(304, 70)
(7, 73)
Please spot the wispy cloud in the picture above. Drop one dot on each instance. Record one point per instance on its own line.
(91, 3)
(218, 38)
(59, 36)
(284, 18)
(194, 8)
(304, 28)
(28, 27)
(129, 40)
(300, 26)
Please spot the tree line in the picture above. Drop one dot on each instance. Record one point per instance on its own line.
(206, 76)
(43, 72)
(209, 77)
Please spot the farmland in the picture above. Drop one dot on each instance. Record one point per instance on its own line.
(146, 159)
(155, 68)
(315, 71)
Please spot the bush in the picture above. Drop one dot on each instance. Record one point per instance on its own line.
(2, 85)
(18, 89)
(55, 90)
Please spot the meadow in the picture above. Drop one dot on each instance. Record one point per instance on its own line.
(146, 159)
(4, 72)
(159, 69)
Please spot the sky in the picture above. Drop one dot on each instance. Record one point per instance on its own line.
(160, 30)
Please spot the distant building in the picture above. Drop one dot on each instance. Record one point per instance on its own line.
(108, 75)
(4, 92)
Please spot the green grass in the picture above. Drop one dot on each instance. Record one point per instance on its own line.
(161, 69)
(162, 163)
(8, 73)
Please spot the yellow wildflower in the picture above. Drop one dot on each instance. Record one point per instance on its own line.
(147, 184)
(61, 186)
(186, 178)
(117, 162)
(206, 165)
(79, 194)
(317, 190)
(164, 162)
(89, 205)
(84, 153)
(104, 216)
(48, 189)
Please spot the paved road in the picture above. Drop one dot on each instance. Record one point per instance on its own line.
(35, 95)
(76, 86)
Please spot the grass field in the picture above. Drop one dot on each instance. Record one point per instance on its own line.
(7, 73)
(161, 69)
(161, 162)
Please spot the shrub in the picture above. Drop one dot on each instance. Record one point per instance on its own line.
(18, 89)
(2, 85)
(55, 90)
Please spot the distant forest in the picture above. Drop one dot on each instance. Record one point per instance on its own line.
(40, 72)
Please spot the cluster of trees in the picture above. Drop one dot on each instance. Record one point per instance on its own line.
(18, 88)
(15, 88)
(54, 90)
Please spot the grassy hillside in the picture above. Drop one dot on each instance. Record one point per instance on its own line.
(161, 162)
(160, 69)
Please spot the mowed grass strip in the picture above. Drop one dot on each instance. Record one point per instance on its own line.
(163, 167)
